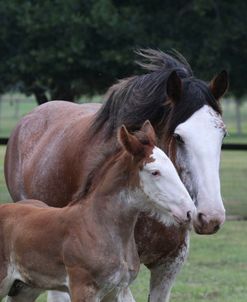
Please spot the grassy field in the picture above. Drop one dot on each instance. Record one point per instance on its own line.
(216, 269)
(230, 120)
(15, 105)
(233, 182)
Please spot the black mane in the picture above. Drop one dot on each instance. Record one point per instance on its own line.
(133, 100)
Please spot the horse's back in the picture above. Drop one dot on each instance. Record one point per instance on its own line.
(39, 144)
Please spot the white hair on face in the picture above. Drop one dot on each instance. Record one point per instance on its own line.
(166, 200)
(164, 218)
(198, 159)
(139, 200)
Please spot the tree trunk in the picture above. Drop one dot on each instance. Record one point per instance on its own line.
(40, 96)
(63, 93)
(0, 112)
(238, 118)
(17, 108)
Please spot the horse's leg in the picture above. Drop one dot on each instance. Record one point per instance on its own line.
(163, 275)
(84, 293)
(123, 295)
(81, 286)
(56, 296)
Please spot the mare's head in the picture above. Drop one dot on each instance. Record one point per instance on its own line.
(193, 136)
(156, 177)
(186, 115)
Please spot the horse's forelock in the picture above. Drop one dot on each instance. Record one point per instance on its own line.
(195, 95)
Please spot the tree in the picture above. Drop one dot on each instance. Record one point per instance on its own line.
(59, 49)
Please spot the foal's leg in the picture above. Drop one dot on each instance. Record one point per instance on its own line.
(84, 293)
(163, 275)
(56, 296)
(123, 295)
(82, 287)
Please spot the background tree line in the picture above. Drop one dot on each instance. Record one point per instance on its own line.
(60, 49)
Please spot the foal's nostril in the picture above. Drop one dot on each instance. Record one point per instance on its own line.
(201, 217)
(189, 216)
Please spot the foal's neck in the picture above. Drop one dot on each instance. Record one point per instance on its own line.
(119, 211)
(115, 197)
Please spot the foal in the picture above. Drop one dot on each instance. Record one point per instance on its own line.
(88, 248)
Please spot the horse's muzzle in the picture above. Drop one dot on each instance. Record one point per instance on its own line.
(206, 226)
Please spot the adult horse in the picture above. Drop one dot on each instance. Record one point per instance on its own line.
(54, 152)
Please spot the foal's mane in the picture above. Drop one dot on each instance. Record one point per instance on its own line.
(112, 159)
(133, 100)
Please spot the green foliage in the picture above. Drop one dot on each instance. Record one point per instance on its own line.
(63, 49)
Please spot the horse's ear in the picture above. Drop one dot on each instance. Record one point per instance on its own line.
(148, 129)
(130, 143)
(219, 84)
(174, 87)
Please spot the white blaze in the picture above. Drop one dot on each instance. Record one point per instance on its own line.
(165, 190)
(199, 158)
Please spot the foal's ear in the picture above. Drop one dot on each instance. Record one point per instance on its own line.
(219, 84)
(174, 87)
(148, 129)
(129, 141)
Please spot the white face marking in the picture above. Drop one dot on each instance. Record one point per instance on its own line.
(164, 189)
(198, 158)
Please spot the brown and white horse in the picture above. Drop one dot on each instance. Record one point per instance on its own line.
(54, 152)
(88, 248)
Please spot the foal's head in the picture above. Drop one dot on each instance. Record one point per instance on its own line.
(153, 174)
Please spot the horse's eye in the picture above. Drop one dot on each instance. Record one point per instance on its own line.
(178, 138)
(156, 173)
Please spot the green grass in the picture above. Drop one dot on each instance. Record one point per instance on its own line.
(215, 271)
(229, 117)
(12, 108)
(233, 182)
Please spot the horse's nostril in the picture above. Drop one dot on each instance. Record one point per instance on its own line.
(189, 215)
(216, 228)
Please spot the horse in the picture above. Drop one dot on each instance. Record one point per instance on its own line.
(88, 248)
(54, 152)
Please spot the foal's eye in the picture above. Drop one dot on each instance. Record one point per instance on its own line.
(156, 173)
(178, 138)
